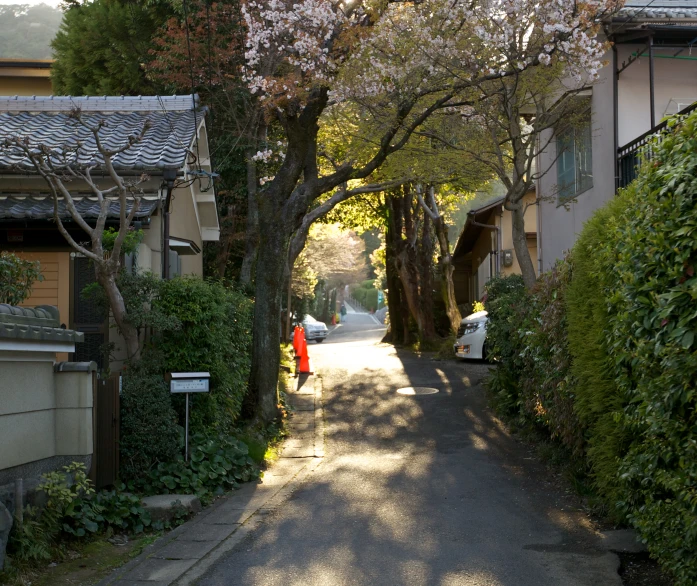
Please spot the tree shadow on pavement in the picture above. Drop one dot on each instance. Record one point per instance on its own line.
(419, 490)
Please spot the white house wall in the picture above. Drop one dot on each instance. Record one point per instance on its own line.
(673, 79)
(559, 226)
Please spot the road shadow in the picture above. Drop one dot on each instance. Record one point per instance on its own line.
(419, 490)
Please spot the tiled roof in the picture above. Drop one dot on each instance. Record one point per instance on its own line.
(46, 121)
(647, 10)
(40, 207)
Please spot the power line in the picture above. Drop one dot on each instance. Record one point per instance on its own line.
(193, 92)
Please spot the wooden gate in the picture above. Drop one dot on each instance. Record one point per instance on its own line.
(105, 465)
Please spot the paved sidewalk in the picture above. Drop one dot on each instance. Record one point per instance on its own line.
(184, 554)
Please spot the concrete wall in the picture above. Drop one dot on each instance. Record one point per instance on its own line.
(44, 414)
(559, 225)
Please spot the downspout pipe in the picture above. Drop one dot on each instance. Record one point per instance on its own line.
(170, 176)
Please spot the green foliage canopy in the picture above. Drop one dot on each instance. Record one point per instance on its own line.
(102, 47)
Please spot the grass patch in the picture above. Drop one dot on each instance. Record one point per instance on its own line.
(82, 563)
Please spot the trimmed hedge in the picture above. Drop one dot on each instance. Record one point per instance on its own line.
(651, 339)
(602, 353)
(366, 295)
(149, 432)
(599, 402)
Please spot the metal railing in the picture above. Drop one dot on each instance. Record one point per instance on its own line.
(631, 155)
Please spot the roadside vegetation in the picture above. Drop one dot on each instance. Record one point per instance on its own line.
(600, 354)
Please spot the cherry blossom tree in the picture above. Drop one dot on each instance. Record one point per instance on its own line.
(395, 65)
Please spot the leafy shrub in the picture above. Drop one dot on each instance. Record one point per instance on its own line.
(149, 433)
(506, 298)
(651, 336)
(217, 464)
(17, 276)
(547, 385)
(366, 294)
(72, 509)
(214, 336)
(130, 244)
(599, 402)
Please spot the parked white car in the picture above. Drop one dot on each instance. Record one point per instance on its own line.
(314, 330)
(471, 337)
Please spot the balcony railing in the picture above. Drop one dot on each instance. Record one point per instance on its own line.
(631, 155)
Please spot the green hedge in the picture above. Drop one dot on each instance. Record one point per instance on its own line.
(505, 299)
(599, 402)
(366, 295)
(194, 326)
(651, 339)
(149, 433)
(215, 335)
(602, 354)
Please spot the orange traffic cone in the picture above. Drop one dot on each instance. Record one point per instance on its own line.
(296, 339)
(305, 365)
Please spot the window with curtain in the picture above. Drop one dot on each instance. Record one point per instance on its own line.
(574, 161)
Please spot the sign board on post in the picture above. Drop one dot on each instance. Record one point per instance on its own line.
(189, 382)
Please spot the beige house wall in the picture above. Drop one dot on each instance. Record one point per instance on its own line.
(530, 220)
(185, 223)
(55, 288)
(25, 86)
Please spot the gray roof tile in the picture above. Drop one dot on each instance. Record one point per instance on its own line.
(40, 207)
(647, 10)
(46, 122)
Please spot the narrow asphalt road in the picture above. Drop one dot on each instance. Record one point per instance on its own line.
(415, 490)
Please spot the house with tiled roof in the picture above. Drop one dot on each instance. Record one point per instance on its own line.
(176, 198)
(651, 73)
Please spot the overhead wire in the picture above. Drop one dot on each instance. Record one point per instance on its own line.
(193, 85)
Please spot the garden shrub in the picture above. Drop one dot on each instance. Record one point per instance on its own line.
(149, 432)
(506, 297)
(73, 510)
(599, 402)
(547, 384)
(214, 336)
(651, 337)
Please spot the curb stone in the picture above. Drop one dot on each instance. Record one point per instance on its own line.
(184, 554)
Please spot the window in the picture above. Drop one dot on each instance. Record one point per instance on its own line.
(574, 161)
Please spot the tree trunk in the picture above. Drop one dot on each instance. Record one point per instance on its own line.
(227, 234)
(266, 350)
(252, 232)
(520, 244)
(399, 326)
(445, 263)
(118, 310)
(424, 260)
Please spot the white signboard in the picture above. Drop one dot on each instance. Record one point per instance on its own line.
(189, 382)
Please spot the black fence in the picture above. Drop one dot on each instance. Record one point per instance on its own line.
(631, 155)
